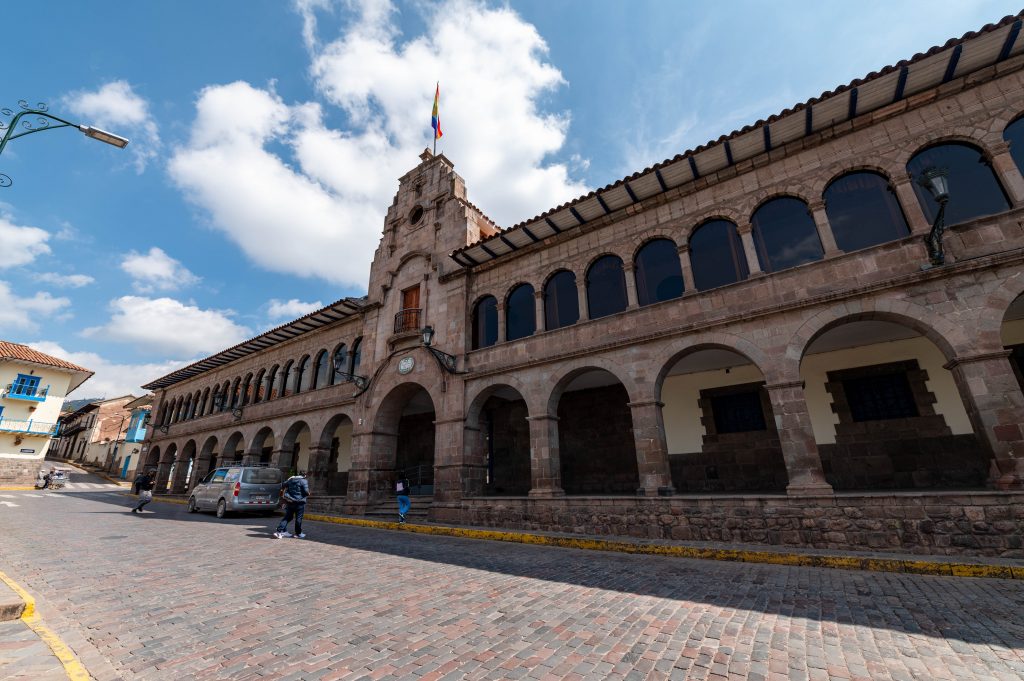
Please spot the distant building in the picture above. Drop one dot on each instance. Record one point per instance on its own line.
(32, 389)
(128, 451)
(94, 433)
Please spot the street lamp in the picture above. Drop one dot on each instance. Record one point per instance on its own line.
(936, 181)
(43, 122)
(446, 361)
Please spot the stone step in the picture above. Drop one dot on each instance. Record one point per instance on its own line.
(11, 605)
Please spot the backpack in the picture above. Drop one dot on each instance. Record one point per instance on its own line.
(402, 487)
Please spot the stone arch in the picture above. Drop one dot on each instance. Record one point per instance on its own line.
(389, 411)
(821, 182)
(953, 134)
(234, 447)
(151, 460)
(706, 341)
(717, 213)
(990, 320)
(478, 393)
(260, 438)
(763, 197)
(327, 432)
(641, 240)
(499, 446)
(569, 371)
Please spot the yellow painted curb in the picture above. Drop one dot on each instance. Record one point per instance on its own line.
(16, 488)
(919, 567)
(72, 667)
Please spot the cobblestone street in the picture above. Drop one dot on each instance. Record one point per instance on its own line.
(168, 595)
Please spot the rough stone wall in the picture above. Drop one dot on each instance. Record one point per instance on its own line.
(19, 471)
(511, 445)
(596, 442)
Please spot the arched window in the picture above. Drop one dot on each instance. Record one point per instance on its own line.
(270, 383)
(716, 255)
(225, 391)
(974, 190)
(258, 393)
(214, 398)
(659, 275)
(284, 384)
(561, 301)
(339, 363)
(863, 211)
(520, 313)
(204, 403)
(177, 410)
(357, 355)
(785, 235)
(606, 287)
(236, 393)
(302, 375)
(247, 390)
(321, 369)
(1014, 136)
(485, 322)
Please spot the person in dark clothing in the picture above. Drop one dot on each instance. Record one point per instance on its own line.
(145, 485)
(48, 478)
(294, 492)
(402, 492)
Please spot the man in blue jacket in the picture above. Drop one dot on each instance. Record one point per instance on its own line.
(294, 492)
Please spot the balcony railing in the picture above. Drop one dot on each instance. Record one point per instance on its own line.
(29, 427)
(20, 392)
(407, 320)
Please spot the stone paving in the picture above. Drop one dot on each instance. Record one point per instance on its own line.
(168, 595)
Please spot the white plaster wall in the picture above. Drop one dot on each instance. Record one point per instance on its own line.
(344, 435)
(1013, 332)
(683, 429)
(46, 411)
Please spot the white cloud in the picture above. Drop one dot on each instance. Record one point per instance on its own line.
(20, 245)
(165, 325)
(117, 108)
(156, 271)
(24, 313)
(110, 379)
(301, 220)
(65, 280)
(290, 309)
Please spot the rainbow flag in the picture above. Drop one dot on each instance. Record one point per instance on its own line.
(435, 120)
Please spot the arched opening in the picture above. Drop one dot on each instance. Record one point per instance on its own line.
(207, 458)
(659, 276)
(339, 363)
(258, 393)
(606, 287)
(225, 392)
(302, 375)
(169, 458)
(150, 463)
(184, 481)
(716, 255)
(520, 313)
(337, 438)
(974, 189)
(1013, 336)
(498, 438)
(270, 384)
(236, 393)
(284, 387)
(485, 322)
(247, 390)
(204, 403)
(785, 234)
(263, 444)
(885, 412)
(357, 356)
(405, 425)
(561, 301)
(233, 450)
(295, 445)
(863, 211)
(321, 370)
(1014, 136)
(595, 435)
(719, 426)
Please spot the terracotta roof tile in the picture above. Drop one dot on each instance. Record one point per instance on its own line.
(10, 350)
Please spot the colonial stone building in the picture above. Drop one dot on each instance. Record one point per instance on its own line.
(746, 342)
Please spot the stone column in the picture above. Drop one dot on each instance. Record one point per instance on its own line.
(799, 450)
(628, 273)
(319, 457)
(202, 466)
(916, 219)
(538, 296)
(282, 458)
(828, 239)
(746, 231)
(581, 291)
(180, 482)
(163, 472)
(359, 486)
(651, 449)
(250, 457)
(501, 322)
(545, 465)
(453, 475)
(995, 406)
(1008, 172)
(689, 286)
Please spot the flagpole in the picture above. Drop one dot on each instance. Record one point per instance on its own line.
(437, 88)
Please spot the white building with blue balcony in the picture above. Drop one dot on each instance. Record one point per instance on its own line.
(33, 386)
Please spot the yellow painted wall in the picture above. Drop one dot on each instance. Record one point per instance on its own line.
(46, 411)
(683, 429)
(344, 435)
(1013, 332)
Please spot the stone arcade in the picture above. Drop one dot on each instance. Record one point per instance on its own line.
(737, 344)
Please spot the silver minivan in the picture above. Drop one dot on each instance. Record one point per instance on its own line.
(237, 488)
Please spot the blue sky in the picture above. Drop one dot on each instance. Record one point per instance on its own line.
(268, 136)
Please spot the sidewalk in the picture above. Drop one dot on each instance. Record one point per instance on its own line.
(23, 654)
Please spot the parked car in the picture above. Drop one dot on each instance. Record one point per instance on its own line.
(237, 488)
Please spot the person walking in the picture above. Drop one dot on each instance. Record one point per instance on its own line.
(295, 491)
(145, 485)
(402, 492)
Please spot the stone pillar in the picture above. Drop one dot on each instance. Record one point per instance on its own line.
(628, 273)
(282, 458)
(995, 406)
(747, 236)
(581, 291)
(202, 466)
(451, 472)
(689, 286)
(799, 450)
(828, 239)
(1008, 173)
(180, 482)
(474, 457)
(359, 488)
(538, 296)
(651, 449)
(250, 457)
(545, 465)
(916, 219)
(163, 472)
(319, 458)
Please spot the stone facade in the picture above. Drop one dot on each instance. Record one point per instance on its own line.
(619, 404)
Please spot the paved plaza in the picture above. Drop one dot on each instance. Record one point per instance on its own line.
(168, 595)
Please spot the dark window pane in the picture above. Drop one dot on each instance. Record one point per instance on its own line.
(863, 211)
(716, 255)
(876, 398)
(738, 412)
(606, 287)
(302, 375)
(340, 364)
(357, 355)
(785, 235)
(561, 301)
(321, 370)
(258, 392)
(485, 323)
(272, 384)
(520, 320)
(974, 190)
(1014, 135)
(658, 273)
(286, 376)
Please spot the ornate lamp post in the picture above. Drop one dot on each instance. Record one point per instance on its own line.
(936, 181)
(446, 361)
(42, 121)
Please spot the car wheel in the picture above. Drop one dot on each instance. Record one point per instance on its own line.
(192, 508)
(222, 509)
